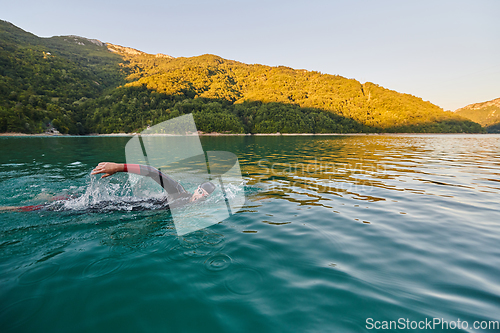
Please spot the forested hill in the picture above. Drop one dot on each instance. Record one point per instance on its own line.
(487, 114)
(82, 86)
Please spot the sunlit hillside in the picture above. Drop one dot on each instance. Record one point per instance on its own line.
(80, 86)
(487, 114)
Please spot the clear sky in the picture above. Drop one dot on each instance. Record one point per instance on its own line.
(444, 51)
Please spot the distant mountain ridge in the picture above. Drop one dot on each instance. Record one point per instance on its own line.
(486, 113)
(80, 40)
(81, 85)
(130, 51)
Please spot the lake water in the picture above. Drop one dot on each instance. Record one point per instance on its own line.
(338, 234)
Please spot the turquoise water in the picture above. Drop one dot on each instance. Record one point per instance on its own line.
(335, 230)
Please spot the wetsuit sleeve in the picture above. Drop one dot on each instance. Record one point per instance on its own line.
(170, 185)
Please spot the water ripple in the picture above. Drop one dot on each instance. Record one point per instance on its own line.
(244, 281)
(38, 274)
(102, 267)
(218, 262)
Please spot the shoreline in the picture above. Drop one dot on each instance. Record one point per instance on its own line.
(16, 134)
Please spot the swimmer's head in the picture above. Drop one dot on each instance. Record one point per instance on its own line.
(209, 187)
(203, 191)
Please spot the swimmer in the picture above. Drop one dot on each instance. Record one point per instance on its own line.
(172, 187)
(177, 195)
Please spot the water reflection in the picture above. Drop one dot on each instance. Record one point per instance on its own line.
(354, 166)
(337, 172)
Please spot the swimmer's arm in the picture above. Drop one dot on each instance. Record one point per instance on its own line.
(170, 185)
(108, 169)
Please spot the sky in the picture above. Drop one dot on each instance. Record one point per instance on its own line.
(444, 51)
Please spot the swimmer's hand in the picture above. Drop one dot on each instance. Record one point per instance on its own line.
(107, 168)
